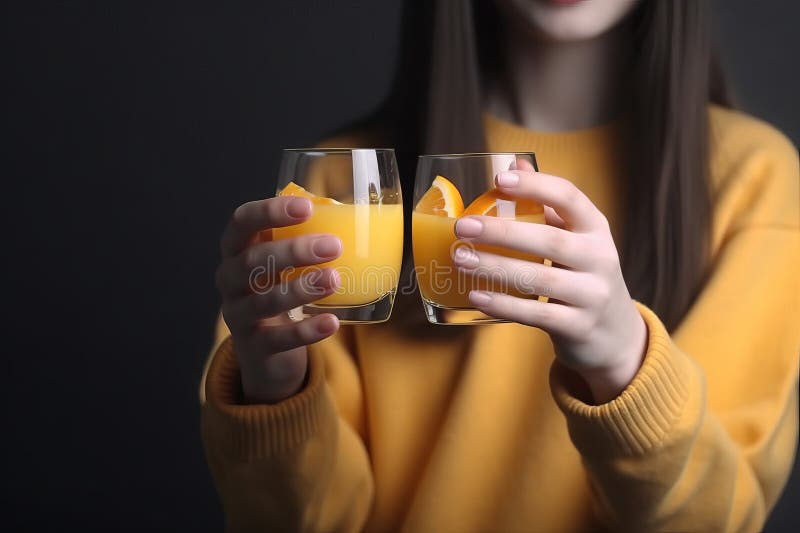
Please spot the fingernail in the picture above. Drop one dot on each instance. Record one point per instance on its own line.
(335, 278)
(298, 208)
(465, 257)
(479, 298)
(326, 246)
(469, 227)
(327, 325)
(324, 278)
(507, 179)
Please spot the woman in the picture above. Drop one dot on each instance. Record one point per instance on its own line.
(656, 391)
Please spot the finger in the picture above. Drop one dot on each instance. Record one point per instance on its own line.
(244, 313)
(566, 199)
(275, 339)
(506, 274)
(560, 246)
(556, 319)
(552, 218)
(252, 217)
(260, 264)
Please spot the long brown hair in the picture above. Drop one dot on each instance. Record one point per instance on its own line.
(448, 49)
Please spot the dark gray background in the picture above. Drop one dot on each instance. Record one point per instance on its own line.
(136, 129)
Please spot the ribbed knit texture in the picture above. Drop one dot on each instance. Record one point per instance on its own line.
(253, 432)
(641, 418)
(513, 137)
(434, 430)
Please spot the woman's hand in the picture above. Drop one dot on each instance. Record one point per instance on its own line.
(270, 348)
(595, 327)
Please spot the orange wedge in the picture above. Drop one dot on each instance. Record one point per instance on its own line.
(293, 189)
(442, 199)
(495, 203)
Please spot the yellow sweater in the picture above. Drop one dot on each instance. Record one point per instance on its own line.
(467, 430)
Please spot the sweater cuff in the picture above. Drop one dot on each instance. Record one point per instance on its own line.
(252, 432)
(643, 417)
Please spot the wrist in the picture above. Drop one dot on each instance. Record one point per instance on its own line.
(278, 378)
(606, 383)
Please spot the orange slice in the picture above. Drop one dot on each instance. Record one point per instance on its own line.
(442, 199)
(293, 189)
(495, 203)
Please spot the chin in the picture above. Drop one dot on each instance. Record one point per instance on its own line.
(567, 20)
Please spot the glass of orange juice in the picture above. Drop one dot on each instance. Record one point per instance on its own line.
(449, 186)
(356, 196)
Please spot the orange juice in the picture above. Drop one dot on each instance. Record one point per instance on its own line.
(372, 249)
(440, 283)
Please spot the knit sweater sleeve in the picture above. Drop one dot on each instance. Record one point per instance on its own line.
(704, 437)
(297, 465)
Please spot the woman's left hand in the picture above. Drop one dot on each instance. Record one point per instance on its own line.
(594, 325)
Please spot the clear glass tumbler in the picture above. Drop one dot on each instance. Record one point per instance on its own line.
(449, 186)
(356, 196)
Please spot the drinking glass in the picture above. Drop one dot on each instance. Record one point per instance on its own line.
(356, 196)
(444, 185)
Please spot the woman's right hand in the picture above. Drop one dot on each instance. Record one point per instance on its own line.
(269, 346)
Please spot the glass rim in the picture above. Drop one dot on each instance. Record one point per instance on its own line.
(334, 150)
(471, 154)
